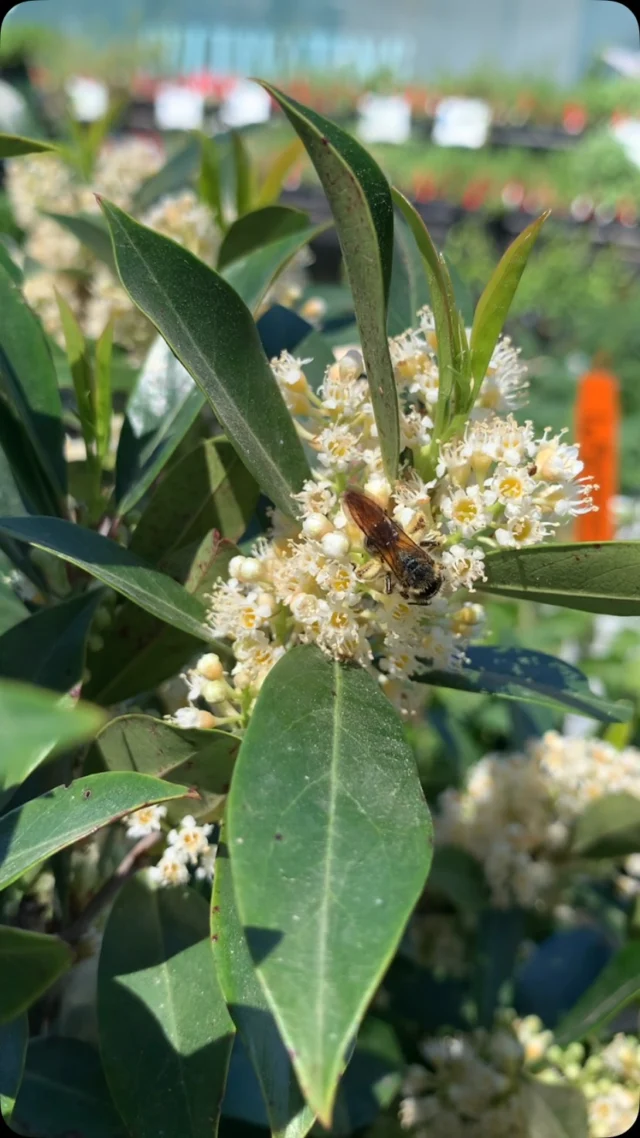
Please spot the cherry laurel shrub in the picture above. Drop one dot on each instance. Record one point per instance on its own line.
(222, 906)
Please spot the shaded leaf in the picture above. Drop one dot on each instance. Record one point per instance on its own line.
(81, 371)
(14, 1037)
(554, 1111)
(409, 290)
(209, 183)
(242, 171)
(63, 816)
(12, 610)
(64, 1092)
(114, 566)
(160, 1009)
(14, 145)
(253, 275)
(608, 827)
(30, 964)
(177, 172)
(139, 651)
(208, 489)
(519, 673)
(275, 177)
(345, 809)
(200, 759)
(617, 985)
(557, 972)
(90, 230)
(258, 228)
(28, 376)
(102, 390)
(493, 306)
(286, 1109)
(180, 295)
(360, 201)
(281, 330)
(498, 939)
(459, 877)
(34, 723)
(48, 647)
(590, 576)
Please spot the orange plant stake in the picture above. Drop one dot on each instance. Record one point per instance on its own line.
(597, 432)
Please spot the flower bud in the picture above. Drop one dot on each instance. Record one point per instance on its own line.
(235, 566)
(215, 691)
(316, 526)
(249, 570)
(335, 544)
(210, 666)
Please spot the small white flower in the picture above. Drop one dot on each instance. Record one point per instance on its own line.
(206, 867)
(189, 840)
(147, 820)
(466, 510)
(170, 870)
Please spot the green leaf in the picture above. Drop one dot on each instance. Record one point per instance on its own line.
(289, 1116)
(114, 566)
(258, 228)
(91, 231)
(315, 346)
(252, 276)
(275, 177)
(64, 1092)
(34, 723)
(176, 173)
(459, 877)
(211, 331)
(208, 489)
(13, 146)
(140, 652)
(24, 488)
(493, 306)
(554, 1111)
(203, 760)
(329, 859)
(533, 677)
(608, 827)
(242, 169)
(360, 201)
(160, 1010)
(102, 391)
(209, 184)
(63, 816)
(617, 985)
(30, 964)
(163, 406)
(81, 370)
(409, 290)
(7, 262)
(14, 1037)
(48, 647)
(12, 610)
(498, 940)
(602, 576)
(28, 376)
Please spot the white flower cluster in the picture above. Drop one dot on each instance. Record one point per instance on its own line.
(474, 1082)
(493, 483)
(515, 813)
(188, 846)
(43, 182)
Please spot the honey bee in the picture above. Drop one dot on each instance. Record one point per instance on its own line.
(415, 571)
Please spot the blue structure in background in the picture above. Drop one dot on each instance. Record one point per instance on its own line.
(413, 39)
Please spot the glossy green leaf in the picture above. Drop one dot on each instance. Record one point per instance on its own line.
(160, 1010)
(28, 376)
(617, 985)
(608, 827)
(276, 175)
(24, 486)
(345, 810)
(63, 816)
(252, 276)
(493, 306)
(14, 1037)
(208, 489)
(163, 406)
(289, 1116)
(114, 566)
(64, 1092)
(409, 290)
(48, 647)
(211, 331)
(102, 390)
(458, 876)
(533, 677)
(34, 723)
(30, 963)
(91, 231)
(178, 171)
(203, 760)
(554, 1111)
(139, 651)
(360, 201)
(209, 184)
(12, 610)
(258, 228)
(601, 576)
(14, 145)
(243, 174)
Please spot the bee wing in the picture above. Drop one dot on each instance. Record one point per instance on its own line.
(366, 513)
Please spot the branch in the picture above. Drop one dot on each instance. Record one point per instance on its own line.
(108, 892)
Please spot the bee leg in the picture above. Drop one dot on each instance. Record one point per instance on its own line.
(370, 571)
